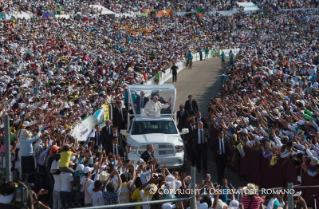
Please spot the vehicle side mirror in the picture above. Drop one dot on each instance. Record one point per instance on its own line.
(184, 131)
(123, 132)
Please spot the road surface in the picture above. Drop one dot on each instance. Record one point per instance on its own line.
(203, 82)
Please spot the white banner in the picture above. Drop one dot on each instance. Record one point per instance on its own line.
(226, 51)
(82, 130)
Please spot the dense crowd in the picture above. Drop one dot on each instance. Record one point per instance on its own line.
(55, 72)
(136, 6)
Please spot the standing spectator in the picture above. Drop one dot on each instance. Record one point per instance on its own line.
(190, 60)
(78, 175)
(57, 184)
(200, 147)
(97, 195)
(85, 182)
(231, 58)
(26, 151)
(251, 200)
(65, 158)
(40, 153)
(200, 54)
(126, 189)
(174, 72)
(223, 57)
(67, 181)
(136, 196)
(112, 194)
(206, 53)
(191, 105)
(221, 154)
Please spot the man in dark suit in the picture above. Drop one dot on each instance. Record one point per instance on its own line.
(119, 116)
(221, 154)
(115, 134)
(96, 136)
(106, 132)
(181, 117)
(200, 147)
(199, 118)
(140, 102)
(148, 154)
(115, 148)
(191, 105)
(189, 141)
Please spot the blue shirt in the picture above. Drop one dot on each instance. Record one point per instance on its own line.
(112, 198)
(190, 56)
(26, 147)
(223, 56)
(232, 58)
(223, 197)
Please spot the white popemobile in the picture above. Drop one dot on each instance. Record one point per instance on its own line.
(153, 123)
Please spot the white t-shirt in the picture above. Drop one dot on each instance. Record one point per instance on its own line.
(97, 198)
(66, 179)
(57, 182)
(145, 199)
(85, 182)
(200, 205)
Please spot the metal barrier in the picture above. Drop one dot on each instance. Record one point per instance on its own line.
(132, 204)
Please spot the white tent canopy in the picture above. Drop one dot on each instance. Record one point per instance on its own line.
(105, 11)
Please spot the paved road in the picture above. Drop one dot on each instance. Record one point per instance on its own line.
(203, 82)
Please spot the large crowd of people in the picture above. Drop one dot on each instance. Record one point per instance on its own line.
(56, 72)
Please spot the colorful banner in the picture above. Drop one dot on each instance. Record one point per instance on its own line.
(82, 130)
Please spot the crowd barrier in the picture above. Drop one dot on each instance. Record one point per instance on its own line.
(257, 170)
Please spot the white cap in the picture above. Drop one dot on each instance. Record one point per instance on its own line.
(80, 168)
(87, 169)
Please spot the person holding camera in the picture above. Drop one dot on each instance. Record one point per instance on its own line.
(8, 201)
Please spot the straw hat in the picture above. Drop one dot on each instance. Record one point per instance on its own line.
(250, 189)
(25, 134)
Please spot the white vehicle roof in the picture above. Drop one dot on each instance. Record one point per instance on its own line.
(165, 93)
(152, 119)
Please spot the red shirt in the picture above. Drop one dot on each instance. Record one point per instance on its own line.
(254, 204)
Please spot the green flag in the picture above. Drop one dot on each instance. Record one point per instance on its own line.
(199, 10)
